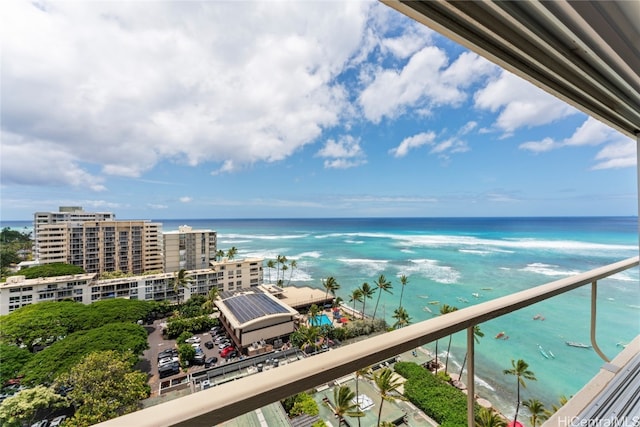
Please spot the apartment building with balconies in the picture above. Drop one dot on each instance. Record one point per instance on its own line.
(226, 276)
(100, 246)
(189, 249)
(64, 214)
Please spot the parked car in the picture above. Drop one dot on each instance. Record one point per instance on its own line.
(193, 340)
(210, 361)
(167, 361)
(41, 423)
(215, 330)
(199, 359)
(168, 370)
(205, 384)
(224, 344)
(57, 421)
(170, 352)
(209, 344)
(226, 352)
(218, 339)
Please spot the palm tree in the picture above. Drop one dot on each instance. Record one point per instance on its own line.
(387, 384)
(179, 281)
(477, 334)
(356, 295)
(219, 254)
(403, 282)
(293, 264)
(537, 411)
(270, 265)
(445, 309)
(331, 285)
(554, 408)
(488, 418)
(231, 253)
(308, 337)
(367, 293)
(313, 314)
(285, 267)
(382, 284)
(344, 404)
(402, 318)
(364, 373)
(209, 303)
(521, 370)
(281, 260)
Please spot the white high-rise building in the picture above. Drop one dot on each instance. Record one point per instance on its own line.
(189, 249)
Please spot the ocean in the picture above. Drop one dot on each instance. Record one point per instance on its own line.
(465, 261)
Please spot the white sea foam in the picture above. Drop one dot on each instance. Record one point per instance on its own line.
(548, 270)
(504, 245)
(432, 270)
(250, 237)
(475, 251)
(367, 266)
(232, 241)
(310, 254)
(630, 275)
(355, 242)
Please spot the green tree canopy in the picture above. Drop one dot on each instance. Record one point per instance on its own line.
(51, 270)
(21, 409)
(7, 235)
(12, 359)
(46, 322)
(44, 367)
(105, 386)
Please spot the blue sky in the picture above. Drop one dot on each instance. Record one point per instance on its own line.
(160, 110)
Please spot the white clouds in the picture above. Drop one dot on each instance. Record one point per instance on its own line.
(185, 199)
(417, 84)
(443, 148)
(42, 163)
(619, 154)
(343, 154)
(547, 144)
(126, 85)
(619, 151)
(593, 132)
(412, 142)
(519, 103)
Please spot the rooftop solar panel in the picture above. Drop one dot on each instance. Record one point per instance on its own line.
(247, 307)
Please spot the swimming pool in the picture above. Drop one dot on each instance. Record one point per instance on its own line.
(321, 320)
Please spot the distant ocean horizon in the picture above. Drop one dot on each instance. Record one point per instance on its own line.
(462, 261)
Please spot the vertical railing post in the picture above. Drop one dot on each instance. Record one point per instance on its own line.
(594, 298)
(470, 377)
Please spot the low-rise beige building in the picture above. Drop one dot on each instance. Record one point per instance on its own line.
(226, 276)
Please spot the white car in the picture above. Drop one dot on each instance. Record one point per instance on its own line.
(193, 340)
(57, 421)
(167, 361)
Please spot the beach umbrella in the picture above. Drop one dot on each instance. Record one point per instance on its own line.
(515, 424)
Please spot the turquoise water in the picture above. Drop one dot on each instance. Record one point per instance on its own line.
(321, 320)
(465, 261)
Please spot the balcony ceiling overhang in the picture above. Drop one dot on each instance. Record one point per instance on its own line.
(586, 53)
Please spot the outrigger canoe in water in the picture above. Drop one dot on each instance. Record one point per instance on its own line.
(577, 344)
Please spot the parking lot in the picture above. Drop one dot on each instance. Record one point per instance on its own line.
(157, 344)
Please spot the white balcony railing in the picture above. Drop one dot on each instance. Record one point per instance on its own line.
(227, 401)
